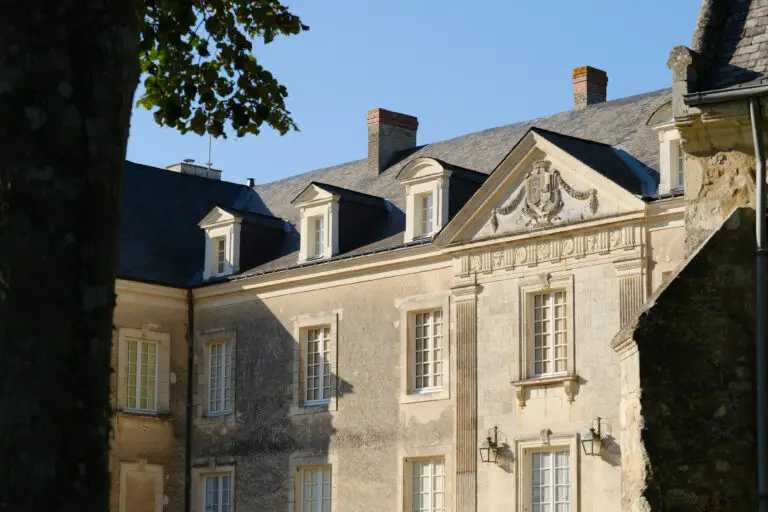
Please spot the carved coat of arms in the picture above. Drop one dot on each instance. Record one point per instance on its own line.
(542, 198)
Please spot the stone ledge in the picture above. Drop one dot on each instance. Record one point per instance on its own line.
(568, 382)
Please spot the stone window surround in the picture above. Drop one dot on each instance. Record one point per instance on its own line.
(139, 467)
(437, 185)
(525, 380)
(300, 460)
(300, 328)
(148, 332)
(230, 231)
(406, 456)
(198, 482)
(202, 373)
(546, 441)
(409, 307)
(328, 209)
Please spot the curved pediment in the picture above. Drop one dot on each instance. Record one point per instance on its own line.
(419, 168)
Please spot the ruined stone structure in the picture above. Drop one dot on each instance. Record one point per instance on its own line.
(437, 328)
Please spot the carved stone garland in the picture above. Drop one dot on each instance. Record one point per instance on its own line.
(542, 198)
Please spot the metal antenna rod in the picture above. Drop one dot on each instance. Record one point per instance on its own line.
(209, 151)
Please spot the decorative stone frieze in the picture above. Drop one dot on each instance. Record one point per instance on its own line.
(531, 253)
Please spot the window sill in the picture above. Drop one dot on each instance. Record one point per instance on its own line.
(311, 408)
(139, 414)
(568, 382)
(427, 395)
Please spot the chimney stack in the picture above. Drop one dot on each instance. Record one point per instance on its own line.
(590, 86)
(388, 133)
(188, 167)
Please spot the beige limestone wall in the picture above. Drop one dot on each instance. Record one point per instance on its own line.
(595, 307)
(369, 432)
(158, 440)
(666, 241)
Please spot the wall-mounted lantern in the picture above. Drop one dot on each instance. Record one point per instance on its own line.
(489, 450)
(592, 441)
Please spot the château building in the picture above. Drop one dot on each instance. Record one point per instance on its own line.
(434, 328)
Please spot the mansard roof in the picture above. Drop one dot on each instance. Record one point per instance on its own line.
(729, 35)
(160, 239)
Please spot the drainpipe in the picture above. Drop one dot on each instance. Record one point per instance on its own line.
(752, 95)
(188, 419)
(755, 117)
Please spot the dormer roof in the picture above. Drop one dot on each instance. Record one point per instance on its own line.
(167, 252)
(317, 191)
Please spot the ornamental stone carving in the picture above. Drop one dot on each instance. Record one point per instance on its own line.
(532, 252)
(541, 197)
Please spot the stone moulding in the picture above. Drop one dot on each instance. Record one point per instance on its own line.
(521, 387)
(533, 252)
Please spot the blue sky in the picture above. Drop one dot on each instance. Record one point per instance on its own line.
(458, 66)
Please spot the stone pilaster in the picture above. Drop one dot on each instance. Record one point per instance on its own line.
(465, 299)
(631, 275)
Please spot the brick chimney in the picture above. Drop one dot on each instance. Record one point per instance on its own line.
(388, 133)
(590, 86)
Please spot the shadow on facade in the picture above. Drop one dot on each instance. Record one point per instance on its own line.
(269, 437)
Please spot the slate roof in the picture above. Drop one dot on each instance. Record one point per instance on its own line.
(160, 240)
(732, 36)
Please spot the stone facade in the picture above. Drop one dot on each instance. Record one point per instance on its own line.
(689, 443)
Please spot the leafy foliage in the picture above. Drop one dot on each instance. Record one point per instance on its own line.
(199, 71)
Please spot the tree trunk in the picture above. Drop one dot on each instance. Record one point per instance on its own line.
(68, 71)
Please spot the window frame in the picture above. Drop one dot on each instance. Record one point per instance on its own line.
(201, 400)
(677, 164)
(552, 345)
(162, 340)
(528, 290)
(324, 351)
(199, 478)
(317, 237)
(409, 308)
(137, 408)
(425, 215)
(228, 381)
(413, 364)
(301, 326)
(408, 480)
(219, 476)
(309, 468)
(524, 450)
(220, 252)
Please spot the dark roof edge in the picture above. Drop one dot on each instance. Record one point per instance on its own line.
(347, 195)
(727, 94)
(672, 194)
(314, 263)
(150, 281)
(572, 137)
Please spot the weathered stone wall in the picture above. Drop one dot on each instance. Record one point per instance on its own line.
(715, 185)
(367, 438)
(160, 440)
(695, 381)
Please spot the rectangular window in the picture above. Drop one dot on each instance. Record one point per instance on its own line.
(427, 350)
(317, 376)
(315, 489)
(550, 336)
(141, 376)
(428, 485)
(220, 254)
(425, 214)
(318, 228)
(550, 481)
(220, 378)
(218, 493)
(679, 170)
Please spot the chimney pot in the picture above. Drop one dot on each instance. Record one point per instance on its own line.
(590, 86)
(388, 133)
(249, 182)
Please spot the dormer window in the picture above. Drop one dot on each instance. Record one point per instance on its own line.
(426, 205)
(671, 154)
(317, 225)
(425, 214)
